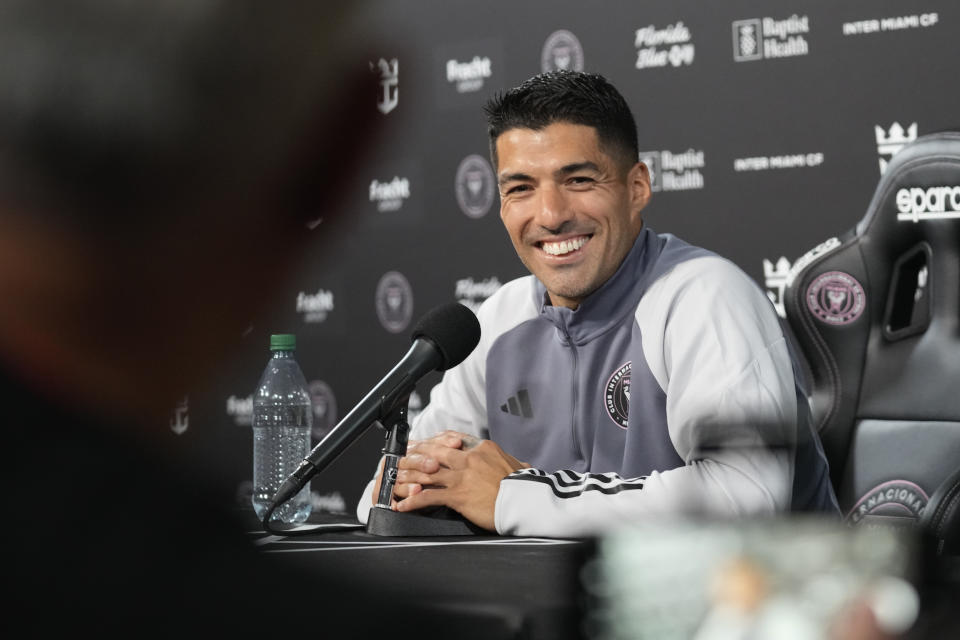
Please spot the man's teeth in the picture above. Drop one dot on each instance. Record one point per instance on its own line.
(560, 248)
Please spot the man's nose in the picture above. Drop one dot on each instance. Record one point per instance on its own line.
(554, 209)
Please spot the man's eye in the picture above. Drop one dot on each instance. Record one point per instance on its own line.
(518, 188)
(581, 180)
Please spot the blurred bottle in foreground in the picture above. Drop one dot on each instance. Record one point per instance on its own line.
(282, 418)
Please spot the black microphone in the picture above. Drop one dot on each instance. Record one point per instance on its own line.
(442, 339)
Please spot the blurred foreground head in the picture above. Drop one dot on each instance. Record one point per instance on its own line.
(159, 161)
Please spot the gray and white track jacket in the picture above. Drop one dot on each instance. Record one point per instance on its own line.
(668, 391)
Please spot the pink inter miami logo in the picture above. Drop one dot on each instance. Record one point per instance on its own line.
(835, 298)
(617, 396)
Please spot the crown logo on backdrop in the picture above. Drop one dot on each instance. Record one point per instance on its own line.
(775, 279)
(891, 141)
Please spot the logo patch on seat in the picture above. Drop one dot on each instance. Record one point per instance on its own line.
(897, 498)
(836, 298)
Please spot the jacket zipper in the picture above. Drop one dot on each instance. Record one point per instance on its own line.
(574, 394)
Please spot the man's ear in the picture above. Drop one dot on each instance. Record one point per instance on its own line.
(638, 182)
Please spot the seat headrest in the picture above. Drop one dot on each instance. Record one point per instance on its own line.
(911, 230)
(917, 200)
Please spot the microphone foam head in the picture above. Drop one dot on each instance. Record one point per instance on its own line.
(453, 329)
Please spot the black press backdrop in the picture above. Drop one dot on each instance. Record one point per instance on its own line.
(766, 125)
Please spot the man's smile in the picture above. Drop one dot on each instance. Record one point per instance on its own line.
(561, 248)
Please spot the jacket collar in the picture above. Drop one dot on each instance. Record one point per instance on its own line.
(617, 297)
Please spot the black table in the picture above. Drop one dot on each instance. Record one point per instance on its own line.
(491, 587)
(482, 586)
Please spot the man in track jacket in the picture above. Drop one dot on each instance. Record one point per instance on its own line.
(631, 375)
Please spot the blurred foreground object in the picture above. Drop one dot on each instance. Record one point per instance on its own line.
(158, 163)
(147, 151)
(798, 579)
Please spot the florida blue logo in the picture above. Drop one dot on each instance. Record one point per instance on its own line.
(617, 396)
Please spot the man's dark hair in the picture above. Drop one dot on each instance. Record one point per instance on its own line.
(566, 96)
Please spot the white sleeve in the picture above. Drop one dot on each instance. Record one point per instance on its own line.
(715, 346)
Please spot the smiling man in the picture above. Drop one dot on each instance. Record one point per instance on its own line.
(632, 375)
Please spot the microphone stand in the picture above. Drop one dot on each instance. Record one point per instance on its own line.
(383, 520)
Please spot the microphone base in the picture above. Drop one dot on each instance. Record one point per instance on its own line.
(432, 522)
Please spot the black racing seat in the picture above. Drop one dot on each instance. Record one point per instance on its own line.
(876, 314)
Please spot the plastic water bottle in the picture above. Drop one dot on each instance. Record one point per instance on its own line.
(282, 418)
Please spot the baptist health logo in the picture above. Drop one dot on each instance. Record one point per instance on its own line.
(659, 47)
(778, 276)
(468, 77)
(472, 293)
(890, 141)
(670, 171)
(389, 196)
(389, 84)
(758, 38)
(315, 307)
(562, 50)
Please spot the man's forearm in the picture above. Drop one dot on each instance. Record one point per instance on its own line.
(561, 504)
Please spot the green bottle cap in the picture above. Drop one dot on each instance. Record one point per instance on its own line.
(283, 342)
